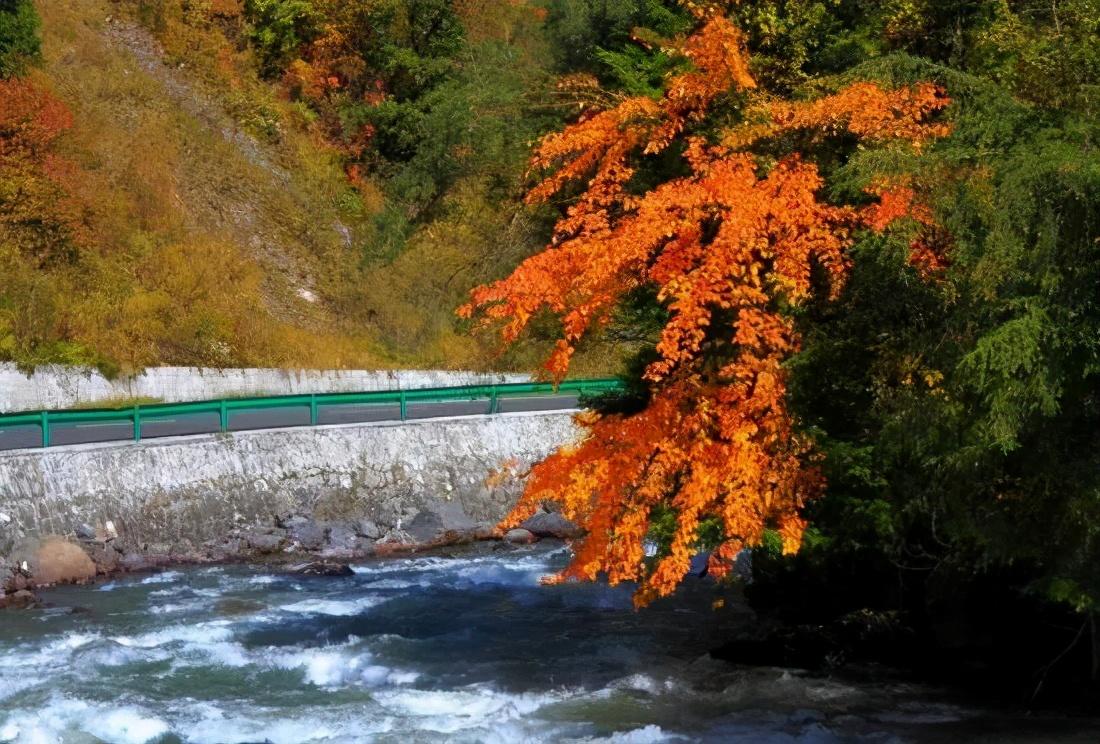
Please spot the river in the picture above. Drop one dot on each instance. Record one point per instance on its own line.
(469, 648)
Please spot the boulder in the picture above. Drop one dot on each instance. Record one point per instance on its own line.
(321, 568)
(395, 541)
(520, 536)
(227, 549)
(442, 524)
(342, 537)
(104, 556)
(308, 534)
(552, 524)
(14, 582)
(266, 540)
(488, 532)
(21, 600)
(136, 562)
(53, 560)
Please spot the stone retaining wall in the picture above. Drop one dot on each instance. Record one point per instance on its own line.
(198, 489)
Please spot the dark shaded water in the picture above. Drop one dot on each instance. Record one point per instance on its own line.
(469, 648)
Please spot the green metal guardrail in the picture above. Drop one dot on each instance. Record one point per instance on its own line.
(138, 414)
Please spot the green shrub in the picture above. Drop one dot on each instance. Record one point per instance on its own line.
(19, 41)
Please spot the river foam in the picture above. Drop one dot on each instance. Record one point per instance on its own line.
(422, 649)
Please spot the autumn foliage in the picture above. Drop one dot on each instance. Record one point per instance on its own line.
(729, 248)
(35, 207)
(30, 118)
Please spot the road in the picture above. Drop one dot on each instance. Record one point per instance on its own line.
(18, 437)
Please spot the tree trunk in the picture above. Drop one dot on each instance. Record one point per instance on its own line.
(1095, 627)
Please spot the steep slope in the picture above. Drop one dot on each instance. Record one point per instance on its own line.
(194, 198)
(168, 176)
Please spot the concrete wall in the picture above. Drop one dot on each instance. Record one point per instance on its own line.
(64, 387)
(199, 488)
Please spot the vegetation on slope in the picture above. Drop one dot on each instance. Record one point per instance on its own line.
(199, 206)
(949, 388)
(141, 226)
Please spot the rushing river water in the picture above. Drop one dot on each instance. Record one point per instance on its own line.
(466, 648)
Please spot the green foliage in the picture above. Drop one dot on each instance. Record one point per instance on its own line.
(19, 43)
(637, 71)
(279, 29)
(662, 529)
(971, 400)
(793, 40)
(579, 30)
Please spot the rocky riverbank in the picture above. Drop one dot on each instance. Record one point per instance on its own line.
(298, 542)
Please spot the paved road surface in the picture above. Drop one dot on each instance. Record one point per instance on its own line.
(17, 437)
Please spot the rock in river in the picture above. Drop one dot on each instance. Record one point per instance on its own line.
(53, 560)
(442, 524)
(520, 536)
(551, 524)
(322, 568)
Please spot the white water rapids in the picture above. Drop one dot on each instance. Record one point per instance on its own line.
(468, 648)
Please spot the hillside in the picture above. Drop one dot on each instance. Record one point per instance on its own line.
(189, 239)
(195, 208)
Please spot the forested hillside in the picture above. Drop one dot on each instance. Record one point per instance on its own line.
(269, 183)
(847, 253)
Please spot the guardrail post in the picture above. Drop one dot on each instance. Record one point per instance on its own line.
(45, 429)
(404, 406)
(313, 409)
(493, 402)
(137, 424)
(223, 416)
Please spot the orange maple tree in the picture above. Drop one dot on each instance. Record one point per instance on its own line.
(728, 247)
(35, 203)
(30, 119)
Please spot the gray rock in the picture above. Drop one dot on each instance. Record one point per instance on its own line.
(342, 537)
(520, 536)
(486, 531)
(444, 523)
(367, 528)
(105, 557)
(232, 547)
(308, 534)
(551, 524)
(267, 541)
(21, 599)
(136, 562)
(85, 532)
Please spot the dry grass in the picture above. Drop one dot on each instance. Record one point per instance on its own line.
(222, 229)
(170, 180)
